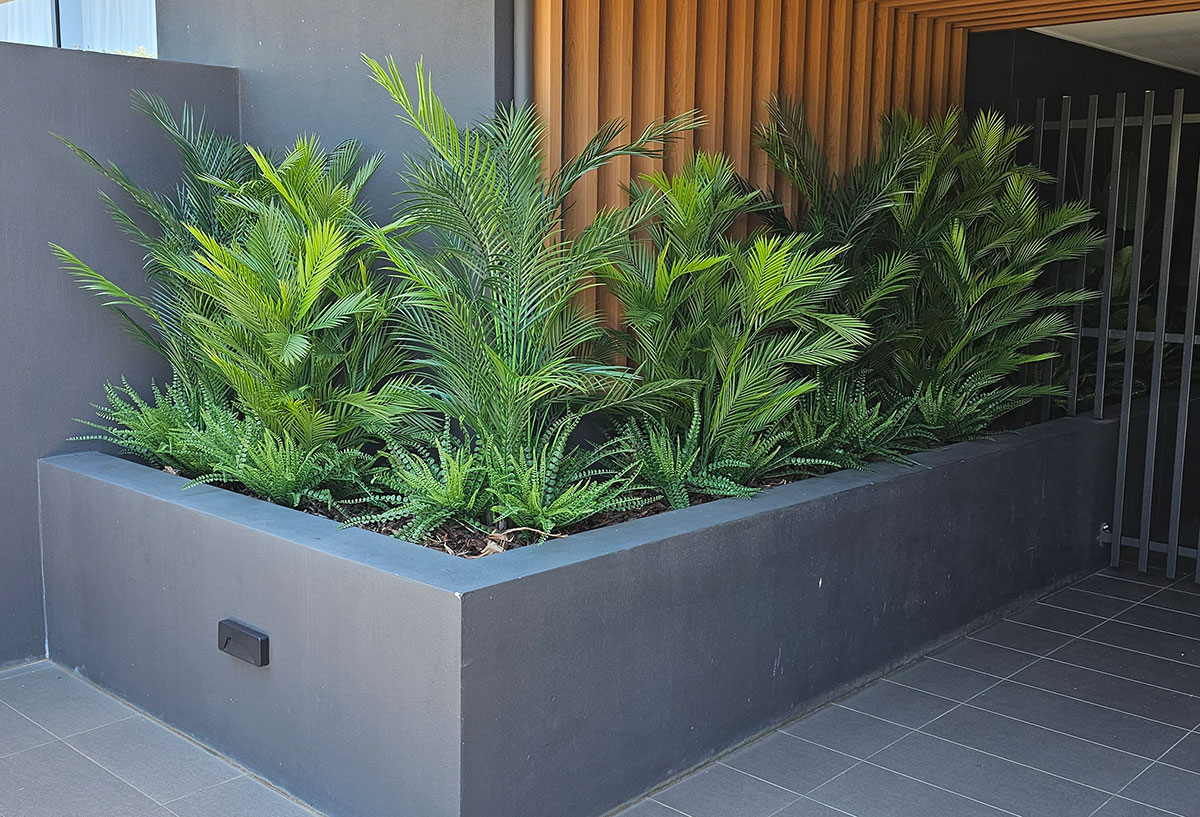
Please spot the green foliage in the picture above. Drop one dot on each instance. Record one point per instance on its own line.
(744, 327)
(493, 311)
(426, 481)
(951, 248)
(262, 283)
(552, 484)
(150, 430)
(205, 155)
(244, 452)
(846, 424)
(294, 321)
(889, 314)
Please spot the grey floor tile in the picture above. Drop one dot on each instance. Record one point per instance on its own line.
(719, 791)
(804, 807)
(1021, 637)
(243, 797)
(1114, 691)
(1186, 754)
(869, 791)
(1000, 783)
(58, 701)
(1089, 721)
(1068, 622)
(940, 678)
(1120, 807)
(1167, 788)
(1132, 665)
(1187, 585)
(1164, 645)
(56, 781)
(1035, 746)
(1090, 603)
(18, 733)
(790, 762)
(983, 657)
(21, 669)
(1117, 588)
(1158, 618)
(647, 808)
(1176, 600)
(845, 730)
(1156, 576)
(898, 704)
(156, 761)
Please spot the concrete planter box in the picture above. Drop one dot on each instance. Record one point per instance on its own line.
(552, 681)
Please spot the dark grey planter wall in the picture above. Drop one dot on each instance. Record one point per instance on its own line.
(551, 681)
(302, 73)
(59, 344)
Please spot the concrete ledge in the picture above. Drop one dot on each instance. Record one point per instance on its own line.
(558, 680)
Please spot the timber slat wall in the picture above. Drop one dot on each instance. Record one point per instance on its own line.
(849, 61)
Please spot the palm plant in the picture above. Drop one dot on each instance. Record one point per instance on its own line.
(205, 155)
(493, 312)
(951, 248)
(743, 326)
(294, 322)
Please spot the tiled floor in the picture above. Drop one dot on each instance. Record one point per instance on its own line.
(1086, 704)
(67, 749)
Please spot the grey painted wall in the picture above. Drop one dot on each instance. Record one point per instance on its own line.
(301, 71)
(59, 345)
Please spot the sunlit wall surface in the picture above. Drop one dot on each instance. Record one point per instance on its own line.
(114, 26)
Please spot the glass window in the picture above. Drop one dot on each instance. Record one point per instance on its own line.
(114, 26)
(27, 21)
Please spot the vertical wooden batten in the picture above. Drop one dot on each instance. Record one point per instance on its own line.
(848, 61)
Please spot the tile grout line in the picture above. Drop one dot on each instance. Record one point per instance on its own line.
(1083, 666)
(1022, 720)
(920, 728)
(1027, 685)
(911, 731)
(1110, 621)
(1149, 766)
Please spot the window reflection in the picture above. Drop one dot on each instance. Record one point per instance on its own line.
(27, 21)
(113, 26)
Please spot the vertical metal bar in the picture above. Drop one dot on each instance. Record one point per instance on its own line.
(1089, 168)
(1110, 249)
(1039, 130)
(1060, 196)
(1160, 326)
(1135, 275)
(1185, 392)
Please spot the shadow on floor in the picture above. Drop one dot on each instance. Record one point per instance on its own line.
(1083, 704)
(69, 749)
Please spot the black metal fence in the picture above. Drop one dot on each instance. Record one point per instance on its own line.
(1134, 347)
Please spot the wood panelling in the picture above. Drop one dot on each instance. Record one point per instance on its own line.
(849, 61)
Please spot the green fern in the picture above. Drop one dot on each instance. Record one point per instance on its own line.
(425, 482)
(245, 452)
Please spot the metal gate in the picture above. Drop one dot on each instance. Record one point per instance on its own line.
(1138, 166)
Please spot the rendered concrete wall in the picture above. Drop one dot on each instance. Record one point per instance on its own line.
(301, 70)
(613, 674)
(59, 345)
(357, 711)
(554, 680)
